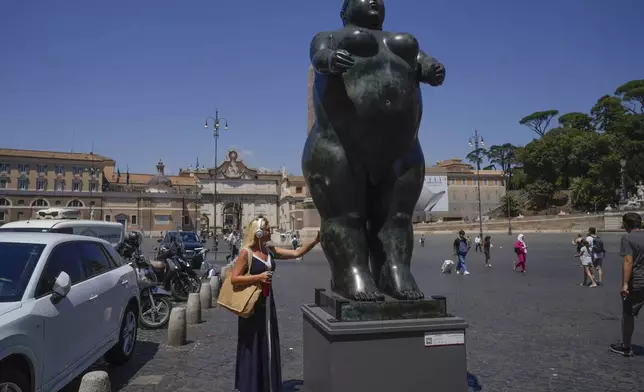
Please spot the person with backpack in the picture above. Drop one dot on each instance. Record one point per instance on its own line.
(461, 247)
(598, 252)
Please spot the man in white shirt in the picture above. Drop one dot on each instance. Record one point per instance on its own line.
(598, 258)
(477, 244)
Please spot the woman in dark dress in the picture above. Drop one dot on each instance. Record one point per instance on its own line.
(258, 367)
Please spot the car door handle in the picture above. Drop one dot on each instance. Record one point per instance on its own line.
(93, 297)
(124, 282)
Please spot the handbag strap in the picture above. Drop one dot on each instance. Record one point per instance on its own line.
(249, 262)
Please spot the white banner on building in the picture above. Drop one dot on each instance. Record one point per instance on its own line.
(434, 196)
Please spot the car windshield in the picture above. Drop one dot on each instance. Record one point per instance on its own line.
(189, 237)
(17, 263)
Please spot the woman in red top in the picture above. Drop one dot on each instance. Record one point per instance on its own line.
(521, 249)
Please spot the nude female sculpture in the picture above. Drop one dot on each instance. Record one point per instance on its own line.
(362, 160)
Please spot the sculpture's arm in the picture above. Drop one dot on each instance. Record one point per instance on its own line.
(430, 70)
(320, 52)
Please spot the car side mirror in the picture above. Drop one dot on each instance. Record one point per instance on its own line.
(159, 240)
(62, 285)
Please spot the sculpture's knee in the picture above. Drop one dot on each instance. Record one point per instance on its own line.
(351, 220)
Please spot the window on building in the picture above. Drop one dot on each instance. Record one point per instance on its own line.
(41, 185)
(57, 202)
(484, 182)
(21, 202)
(1, 216)
(4, 167)
(93, 186)
(298, 189)
(41, 168)
(3, 183)
(40, 203)
(59, 185)
(60, 169)
(162, 219)
(464, 181)
(133, 219)
(4, 202)
(77, 170)
(77, 186)
(75, 203)
(21, 216)
(453, 181)
(23, 184)
(474, 182)
(186, 220)
(108, 218)
(23, 168)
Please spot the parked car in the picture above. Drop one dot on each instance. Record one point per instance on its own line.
(112, 232)
(65, 301)
(189, 241)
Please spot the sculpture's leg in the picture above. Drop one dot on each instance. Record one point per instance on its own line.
(338, 191)
(392, 238)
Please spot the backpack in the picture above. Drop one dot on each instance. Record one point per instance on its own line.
(598, 246)
(463, 247)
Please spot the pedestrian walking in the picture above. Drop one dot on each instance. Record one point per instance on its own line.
(632, 290)
(487, 244)
(461, 247)
(586, 259)
(422, 240)
(521, 249)
(598, 252)
(477, 244)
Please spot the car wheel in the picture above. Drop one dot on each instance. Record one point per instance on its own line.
(13, 380)
(123, 350)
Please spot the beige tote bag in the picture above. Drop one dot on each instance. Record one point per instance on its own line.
(240, 300)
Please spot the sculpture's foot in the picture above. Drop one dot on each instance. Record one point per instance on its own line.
(398, 282)
(357, 285)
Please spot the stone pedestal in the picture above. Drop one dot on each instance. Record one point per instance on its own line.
(372, 347)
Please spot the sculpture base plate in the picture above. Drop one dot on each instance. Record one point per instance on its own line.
(343, 309)
(389, 355)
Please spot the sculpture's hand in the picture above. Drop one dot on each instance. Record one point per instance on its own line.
(438, 71)
(340, 61)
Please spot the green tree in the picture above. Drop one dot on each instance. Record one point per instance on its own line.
(576, 120)
(505, 157)
(510, 206)
(538, 122)
(540, 193)
(581, 191)
(476, 156)
(632, 94)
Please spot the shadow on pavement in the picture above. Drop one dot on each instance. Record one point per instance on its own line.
(120, 375)
(637, 349)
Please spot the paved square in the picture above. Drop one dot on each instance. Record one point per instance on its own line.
(538, 332)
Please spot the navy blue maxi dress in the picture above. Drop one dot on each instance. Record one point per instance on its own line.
(252, 367)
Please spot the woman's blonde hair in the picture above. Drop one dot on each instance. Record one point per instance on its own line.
(250, 239)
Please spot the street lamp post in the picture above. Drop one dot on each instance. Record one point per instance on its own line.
(507, 199)
(215, 133)
(476, 141)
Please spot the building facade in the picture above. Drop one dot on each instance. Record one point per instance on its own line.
(32, 180)
(242, 194)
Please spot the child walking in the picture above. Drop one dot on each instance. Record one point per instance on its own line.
(521, 249)
(487, 244)
(586, 258)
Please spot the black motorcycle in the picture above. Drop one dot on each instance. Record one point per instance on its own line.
(175, 273)
(155, 308)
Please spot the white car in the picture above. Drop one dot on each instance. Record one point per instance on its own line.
(65, 301)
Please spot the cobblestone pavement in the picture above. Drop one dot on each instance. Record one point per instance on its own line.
(535, 332)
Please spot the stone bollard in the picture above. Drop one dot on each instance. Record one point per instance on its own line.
(97, 381)
(205, 296)
(177, 327)
(214, 289)
(193, 309)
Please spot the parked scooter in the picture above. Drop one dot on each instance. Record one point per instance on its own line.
(175, 273)
(155, 308)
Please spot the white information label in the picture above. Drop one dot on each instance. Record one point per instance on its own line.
(434, 339)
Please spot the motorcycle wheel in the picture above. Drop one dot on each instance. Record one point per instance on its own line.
(195, 284)
(180, 288)
(155, 318)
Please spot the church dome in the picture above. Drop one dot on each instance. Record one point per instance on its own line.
(160, 180)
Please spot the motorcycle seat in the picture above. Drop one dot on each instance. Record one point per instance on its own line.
(157, 264)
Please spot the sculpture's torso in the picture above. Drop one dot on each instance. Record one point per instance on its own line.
(376, 105)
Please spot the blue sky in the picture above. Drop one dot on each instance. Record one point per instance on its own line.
(137, 78)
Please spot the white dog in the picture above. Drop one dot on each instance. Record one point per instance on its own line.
(447, 267)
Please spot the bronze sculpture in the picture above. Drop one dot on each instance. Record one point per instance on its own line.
(362, 160)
